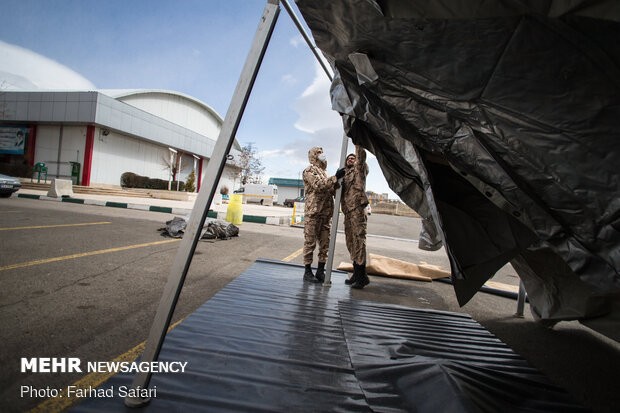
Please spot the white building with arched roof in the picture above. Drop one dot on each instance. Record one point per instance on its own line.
(110, 132)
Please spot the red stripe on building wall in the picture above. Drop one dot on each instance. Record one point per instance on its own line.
(88, 155)
(199, 180)
(32, 142)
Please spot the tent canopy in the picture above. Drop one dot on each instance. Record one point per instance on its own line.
(498, 121)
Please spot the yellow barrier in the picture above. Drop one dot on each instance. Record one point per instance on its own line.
(234, 212)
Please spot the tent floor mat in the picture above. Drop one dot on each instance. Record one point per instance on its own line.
(269, 342)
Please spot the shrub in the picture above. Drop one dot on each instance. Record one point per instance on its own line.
(128, 180)
(159, 184)
(131, 180)
(189, 185)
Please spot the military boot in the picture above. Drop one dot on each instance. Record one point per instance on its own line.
(362, 279)
(355, 276)
(308, 275)
(320, 272)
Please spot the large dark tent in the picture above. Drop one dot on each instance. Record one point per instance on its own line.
(498, 120)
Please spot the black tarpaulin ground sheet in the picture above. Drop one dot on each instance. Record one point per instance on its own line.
(270, 342)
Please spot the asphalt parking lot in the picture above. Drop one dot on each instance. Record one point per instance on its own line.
(84, 281)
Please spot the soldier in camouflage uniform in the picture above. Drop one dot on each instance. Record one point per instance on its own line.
(320, 190)
(354, 202)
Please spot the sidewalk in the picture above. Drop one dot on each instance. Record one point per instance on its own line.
(272, 215)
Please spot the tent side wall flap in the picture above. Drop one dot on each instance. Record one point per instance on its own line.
(499, 123)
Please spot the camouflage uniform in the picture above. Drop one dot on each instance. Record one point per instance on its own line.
(319, 208)
(354, 202)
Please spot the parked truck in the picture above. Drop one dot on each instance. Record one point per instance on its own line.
(258, 193)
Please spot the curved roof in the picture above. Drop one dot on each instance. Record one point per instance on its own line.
(121, 93)
(23, 69)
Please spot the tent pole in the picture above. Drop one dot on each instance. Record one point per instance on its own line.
(520, 300)
(184, 255)
(332, 237)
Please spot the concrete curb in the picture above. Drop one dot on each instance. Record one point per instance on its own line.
(154, 208)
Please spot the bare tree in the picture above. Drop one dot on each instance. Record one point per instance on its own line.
(170, 162)
(250, 165)
(168, 166)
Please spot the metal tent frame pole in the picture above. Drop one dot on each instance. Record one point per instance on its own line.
(335, 217)
(198, 216)
(521, 300)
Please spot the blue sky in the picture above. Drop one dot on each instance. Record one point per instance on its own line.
(197, 47)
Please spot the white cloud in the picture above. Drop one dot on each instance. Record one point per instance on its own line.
(290, 162)
(23, 69)
(288, 79)
(274, 153)
(322, 127)
(314, 106)
(296, 41)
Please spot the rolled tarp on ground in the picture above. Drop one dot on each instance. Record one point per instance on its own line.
(391, 267)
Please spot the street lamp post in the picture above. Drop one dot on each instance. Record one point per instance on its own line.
(196, 178)
(179, 171)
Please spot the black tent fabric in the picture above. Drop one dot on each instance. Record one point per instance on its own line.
(403, 357)
(497, 121)
(270, 342)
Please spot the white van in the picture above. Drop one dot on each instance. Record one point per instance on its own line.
(258, 193)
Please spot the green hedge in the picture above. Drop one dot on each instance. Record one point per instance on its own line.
(131, 180)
